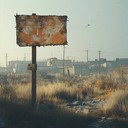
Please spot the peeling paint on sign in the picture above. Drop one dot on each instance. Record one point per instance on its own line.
(35, 30)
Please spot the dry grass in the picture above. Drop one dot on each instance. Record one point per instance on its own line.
(62, 91)
(23, 91)
(111, 87)
(119, 76)
(15, 106)
(56, 92)
(117, 104)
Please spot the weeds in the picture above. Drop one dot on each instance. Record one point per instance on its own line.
(117, 104)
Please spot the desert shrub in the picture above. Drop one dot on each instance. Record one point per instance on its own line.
(117, 104)
(101, 82)
(104, 83)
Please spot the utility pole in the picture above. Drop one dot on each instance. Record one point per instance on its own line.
(99, 60)
(6, 56)
(87, 55)
(24, 57)
(63, 58)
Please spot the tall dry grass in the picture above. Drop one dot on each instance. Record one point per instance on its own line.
(62, 91)
(119, 76)
(117, 104)
(15, 106)
(56, 92)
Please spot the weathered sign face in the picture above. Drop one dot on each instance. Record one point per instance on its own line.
(35, 30)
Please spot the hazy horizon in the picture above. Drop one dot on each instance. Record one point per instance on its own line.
(93, 25)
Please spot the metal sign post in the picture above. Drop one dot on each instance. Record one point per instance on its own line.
(34, 68)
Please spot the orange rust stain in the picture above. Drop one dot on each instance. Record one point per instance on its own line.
(42, 39)
(26, 39)
(58, 38)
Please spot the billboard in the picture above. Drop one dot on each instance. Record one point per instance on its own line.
(36, 30)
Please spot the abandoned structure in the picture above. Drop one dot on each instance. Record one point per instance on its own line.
(68, 67)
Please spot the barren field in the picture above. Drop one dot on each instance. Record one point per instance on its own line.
(95, 101)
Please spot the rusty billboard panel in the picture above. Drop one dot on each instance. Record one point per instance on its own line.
(36, 30)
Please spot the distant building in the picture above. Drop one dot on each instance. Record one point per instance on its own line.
(122, 61)
(2, 69)
(17, 66)
(70, 68)
(58, 62)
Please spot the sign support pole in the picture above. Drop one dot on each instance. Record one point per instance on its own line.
(34, 68)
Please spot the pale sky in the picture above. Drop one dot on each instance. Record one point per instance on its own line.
(108, 30)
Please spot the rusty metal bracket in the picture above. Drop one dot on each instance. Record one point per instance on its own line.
(32, 67)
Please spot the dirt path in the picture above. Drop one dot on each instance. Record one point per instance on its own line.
(86, 106)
